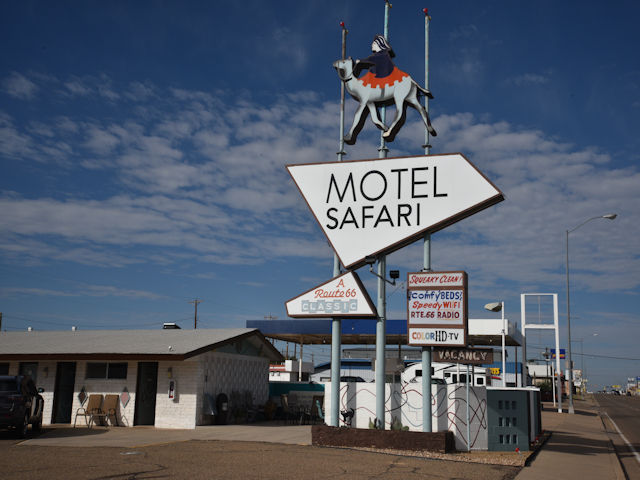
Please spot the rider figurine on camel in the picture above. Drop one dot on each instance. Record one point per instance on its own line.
(383, 85)
(382, 72)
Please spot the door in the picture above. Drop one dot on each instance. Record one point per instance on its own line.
(146, 389)
(63, 392)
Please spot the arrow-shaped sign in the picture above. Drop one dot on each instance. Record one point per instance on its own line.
(342, 296)
(371, 207)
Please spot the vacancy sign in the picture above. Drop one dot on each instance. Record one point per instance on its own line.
(437, 309)
(371, 207)
(342, 296)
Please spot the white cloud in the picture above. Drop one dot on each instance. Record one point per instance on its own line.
(19, 86)
(193, 174)
(77, 87)
(87, 291)
(463, 32)
(529, 79)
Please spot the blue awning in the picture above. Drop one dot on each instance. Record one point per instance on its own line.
(363, 331)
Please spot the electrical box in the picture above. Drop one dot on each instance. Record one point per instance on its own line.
(508, 419)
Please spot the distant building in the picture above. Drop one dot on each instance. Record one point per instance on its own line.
(290, 371)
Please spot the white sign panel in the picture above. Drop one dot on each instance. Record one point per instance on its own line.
(436, 279)
(342, 296)
(436, 336)
(367, 207)
(437, 308)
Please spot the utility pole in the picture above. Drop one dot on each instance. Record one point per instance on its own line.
(0, 321)
(195, 302)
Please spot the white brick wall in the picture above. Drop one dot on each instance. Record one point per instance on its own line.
(225, 373)
(180, 412)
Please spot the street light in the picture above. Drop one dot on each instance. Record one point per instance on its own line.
(499, 307)
(608, 216)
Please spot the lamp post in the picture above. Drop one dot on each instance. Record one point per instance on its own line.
(608, 216)
(499, 307)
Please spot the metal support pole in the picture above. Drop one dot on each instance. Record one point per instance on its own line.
(381, 334)
(468, 414)
(381, 344)
(553, 386)
(426, 356)
(336, 324)
(383, 150)
(523, 331)
(504, 352)
(427, 19)
(341, 151)
(300, 362)
(426, 351)
(570, 409)
(558, 369)
(515, 354)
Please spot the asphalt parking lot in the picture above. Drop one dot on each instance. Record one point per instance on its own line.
(215, 459)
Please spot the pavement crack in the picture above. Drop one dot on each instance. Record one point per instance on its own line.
(134, 475)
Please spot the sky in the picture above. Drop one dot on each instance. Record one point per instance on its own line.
(143, 148)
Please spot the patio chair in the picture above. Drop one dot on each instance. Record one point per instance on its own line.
(287, 412)
(110, 408)
(316, 409)
(92, 411)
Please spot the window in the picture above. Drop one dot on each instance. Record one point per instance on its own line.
(513, 405)
(454, 378)
(513, 421)
(499, 421)
(4, 369)
(106, 370)
(480, 381)
(514, 437)
(96, 370)
(29, 369)
(500, 404)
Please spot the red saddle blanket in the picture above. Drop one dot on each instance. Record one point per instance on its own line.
(370, 80)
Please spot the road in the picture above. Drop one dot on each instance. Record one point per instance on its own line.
(625, 412)
(196, 459)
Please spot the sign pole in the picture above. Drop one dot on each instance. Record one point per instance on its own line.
(426, 351)
(468, 414)
(336, 324)
(381, 327)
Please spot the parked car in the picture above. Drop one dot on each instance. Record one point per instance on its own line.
(20, 404)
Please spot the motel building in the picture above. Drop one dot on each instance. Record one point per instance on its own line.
(169, 378)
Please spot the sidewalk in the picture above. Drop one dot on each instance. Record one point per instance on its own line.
(132, 437)
(579, 447)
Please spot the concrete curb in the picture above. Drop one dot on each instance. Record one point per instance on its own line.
(615, 461)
